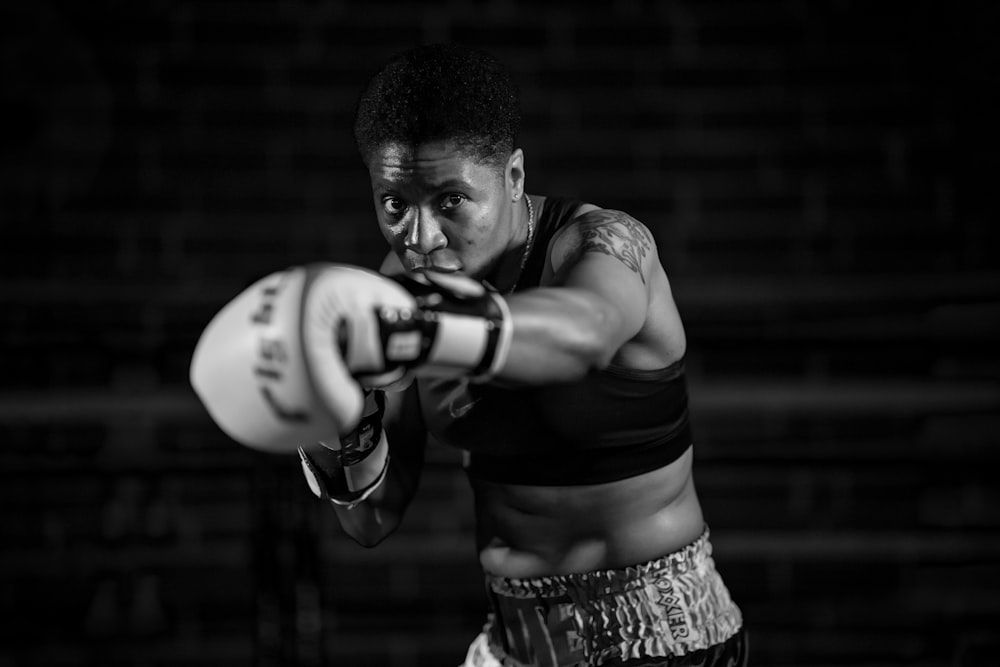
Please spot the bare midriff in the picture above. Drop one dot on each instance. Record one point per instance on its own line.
(534, 531)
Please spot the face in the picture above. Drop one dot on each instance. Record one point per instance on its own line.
(441, 210)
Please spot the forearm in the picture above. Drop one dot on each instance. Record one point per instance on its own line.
(375, 518)
(542, 335)
(460, 327)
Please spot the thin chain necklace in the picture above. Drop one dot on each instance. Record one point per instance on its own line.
(527, 244)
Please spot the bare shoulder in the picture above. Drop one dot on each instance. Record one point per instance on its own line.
(598, 235)
(608, 232)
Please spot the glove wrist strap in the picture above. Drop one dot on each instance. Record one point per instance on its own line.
(452, 332)
(345, 485)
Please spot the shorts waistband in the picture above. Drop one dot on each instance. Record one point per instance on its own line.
(601, 581)
(672, 605)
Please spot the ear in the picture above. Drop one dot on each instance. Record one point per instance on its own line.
(514, 174)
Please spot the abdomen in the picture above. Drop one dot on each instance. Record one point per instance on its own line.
(529, 531)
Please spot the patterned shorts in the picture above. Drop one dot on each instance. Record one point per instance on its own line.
(670, 611)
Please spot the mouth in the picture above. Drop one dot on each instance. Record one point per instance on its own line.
(420, 265)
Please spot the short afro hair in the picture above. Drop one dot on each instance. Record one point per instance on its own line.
(441, 92)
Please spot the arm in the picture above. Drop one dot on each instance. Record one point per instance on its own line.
(374, 519)
(594, 300)
(279, 366)
(379, 515)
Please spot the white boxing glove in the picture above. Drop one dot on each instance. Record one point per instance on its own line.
(280, 365)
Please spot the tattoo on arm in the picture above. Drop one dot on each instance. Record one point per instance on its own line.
(617, 235)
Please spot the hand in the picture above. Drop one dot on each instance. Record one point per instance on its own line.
(270, 367)
(284, 363)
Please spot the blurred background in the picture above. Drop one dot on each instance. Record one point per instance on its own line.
(818, 176)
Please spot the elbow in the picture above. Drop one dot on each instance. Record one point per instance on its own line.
(368, 526)
(609, 326)
(574, 337)
(592, 352)
(593, 345)
(368, 541)
(367, 537)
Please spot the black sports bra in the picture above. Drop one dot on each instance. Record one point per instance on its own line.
(615, 423)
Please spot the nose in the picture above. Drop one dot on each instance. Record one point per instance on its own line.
(424, 234)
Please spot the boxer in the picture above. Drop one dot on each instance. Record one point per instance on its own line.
(537, 334)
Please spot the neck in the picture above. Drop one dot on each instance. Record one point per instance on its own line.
(508, 268)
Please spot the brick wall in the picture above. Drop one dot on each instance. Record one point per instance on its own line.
(816, 175)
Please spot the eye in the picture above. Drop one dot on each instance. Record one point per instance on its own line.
(453, 200)
(393, 205)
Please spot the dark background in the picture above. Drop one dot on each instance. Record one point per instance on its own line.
(818, 176)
